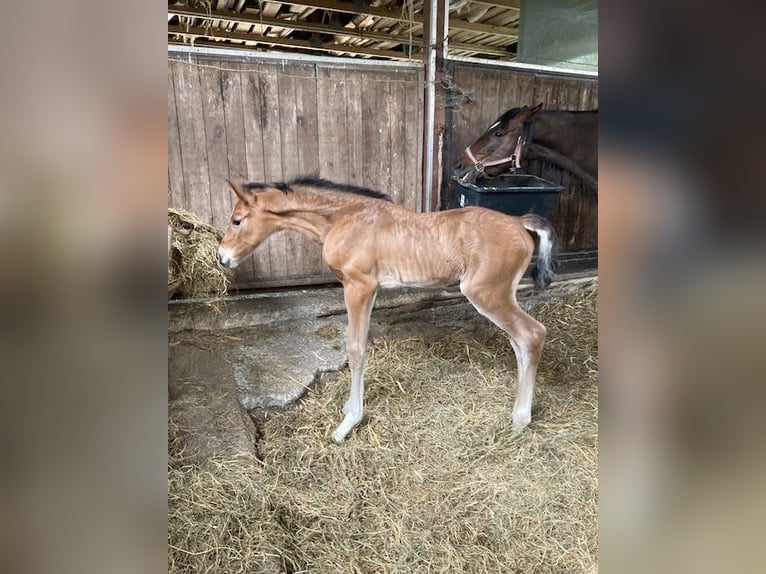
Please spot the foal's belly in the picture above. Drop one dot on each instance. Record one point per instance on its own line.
(391, 282)
(429, 275)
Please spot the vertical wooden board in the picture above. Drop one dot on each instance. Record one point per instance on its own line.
(541, 92)
(331, 125)
(554, 94)
(417, 96)
(492, 105)
(384, 141)
(397, 136)
(354, 127)
(377, 150)
(485, 108)
(288, 127)
(569, 94)
(215, 143)
(268, 82)
(290, 241)
(470, 113)
(253, 112)
(308, 153)
(521, 90)
(306, 119)
(234, 120)
(264, 93)
(373, 121)
(332, 135)
(176, 188)
(593, 99)
(192, 138)
(250, 117)
(586, 96)
(236, 145)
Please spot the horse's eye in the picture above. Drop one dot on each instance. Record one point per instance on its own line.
(498, 134)
(236, 222)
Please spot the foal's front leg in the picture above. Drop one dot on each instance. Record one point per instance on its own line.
(360, 298)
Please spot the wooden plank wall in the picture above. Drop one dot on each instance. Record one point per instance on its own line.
(274, 120)
(487, 92)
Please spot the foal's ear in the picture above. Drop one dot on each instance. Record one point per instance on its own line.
(240, 192)
(536, 109)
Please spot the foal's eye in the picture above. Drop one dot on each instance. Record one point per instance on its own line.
(498, 134)
(236, 222)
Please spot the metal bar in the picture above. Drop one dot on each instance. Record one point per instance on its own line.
(526, 67)
(465, 26)
(429, 60)
(246, 53)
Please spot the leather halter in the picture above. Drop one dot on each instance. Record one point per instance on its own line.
(480, 165)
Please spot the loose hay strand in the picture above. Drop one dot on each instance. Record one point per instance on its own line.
(193, 262)
(435, 481)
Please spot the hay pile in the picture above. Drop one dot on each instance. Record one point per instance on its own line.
(193, 269)
(436, 481)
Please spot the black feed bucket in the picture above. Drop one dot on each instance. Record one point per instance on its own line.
(513, 193)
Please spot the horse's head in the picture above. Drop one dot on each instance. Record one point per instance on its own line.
(502, 143)
(250, 224)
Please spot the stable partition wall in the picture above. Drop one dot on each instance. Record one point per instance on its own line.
(261, 118)
(478, 94)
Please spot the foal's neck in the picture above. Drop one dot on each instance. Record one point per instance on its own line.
(313, 212)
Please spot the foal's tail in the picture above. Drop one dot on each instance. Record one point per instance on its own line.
(547, 250)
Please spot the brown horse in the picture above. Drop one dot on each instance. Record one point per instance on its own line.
(370, 242)
(565, 138)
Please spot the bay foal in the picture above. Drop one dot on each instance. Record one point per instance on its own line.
(370, 242)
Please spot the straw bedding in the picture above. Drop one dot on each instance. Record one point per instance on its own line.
(193, 269)
(435, 481)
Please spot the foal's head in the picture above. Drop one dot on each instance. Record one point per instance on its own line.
(503, 142)
(251, 221)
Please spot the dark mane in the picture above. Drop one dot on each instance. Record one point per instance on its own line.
(508, 115)
(255, 186)
(513, 111)
(314, 181)
(343, 187)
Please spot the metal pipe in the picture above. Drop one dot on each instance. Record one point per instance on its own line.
(430, 107)
(526, 67)
(248, 54)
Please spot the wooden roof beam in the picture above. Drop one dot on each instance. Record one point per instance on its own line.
(347, 7)
(303, 26)
(509, 4)
(329, 46)
(212, 35)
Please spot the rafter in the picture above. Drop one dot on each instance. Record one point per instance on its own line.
(346, 7)
(212, 35)
(207, 33)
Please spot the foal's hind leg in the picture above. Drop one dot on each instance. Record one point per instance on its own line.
(498, 304)
(359, 299)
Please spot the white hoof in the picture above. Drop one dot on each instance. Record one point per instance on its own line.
(338, 438)
(345, 428)
(520, 421)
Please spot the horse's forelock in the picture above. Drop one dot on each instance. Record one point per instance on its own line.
(510, 114)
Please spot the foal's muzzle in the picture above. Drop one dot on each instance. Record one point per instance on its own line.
(226, 259)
